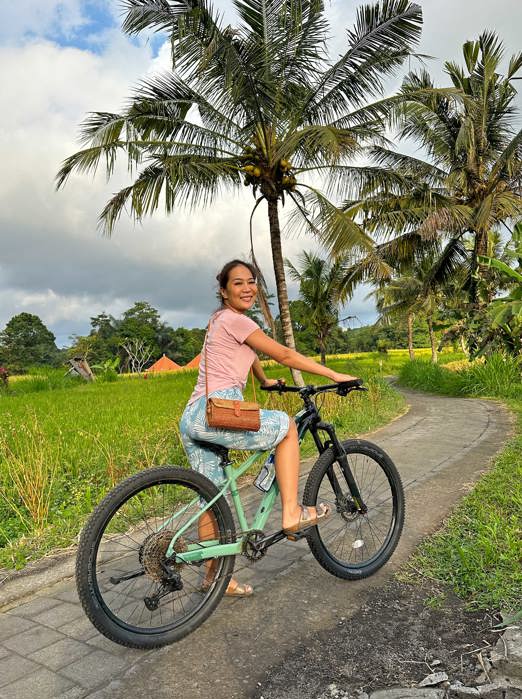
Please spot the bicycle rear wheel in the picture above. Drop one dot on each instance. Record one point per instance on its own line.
(353, 544)
(128, 588)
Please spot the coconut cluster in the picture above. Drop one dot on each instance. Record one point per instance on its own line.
(256, 170)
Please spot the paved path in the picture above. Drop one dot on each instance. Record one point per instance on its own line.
(49, 650)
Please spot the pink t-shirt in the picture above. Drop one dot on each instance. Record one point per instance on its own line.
(229, 359)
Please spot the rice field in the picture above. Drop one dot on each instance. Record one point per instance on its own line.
(63, 444)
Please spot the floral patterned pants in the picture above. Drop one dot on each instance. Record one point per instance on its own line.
(193, 426)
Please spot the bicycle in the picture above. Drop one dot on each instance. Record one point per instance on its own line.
(142, 566)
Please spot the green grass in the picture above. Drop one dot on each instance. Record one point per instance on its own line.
(63, 447)
(478, 552)
(498, 377)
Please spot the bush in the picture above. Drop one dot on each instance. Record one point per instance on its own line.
(426, 376)
(500, 375)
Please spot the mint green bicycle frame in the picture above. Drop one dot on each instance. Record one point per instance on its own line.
(211, 548)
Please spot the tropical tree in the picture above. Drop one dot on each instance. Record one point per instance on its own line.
(391, 306)
(506, 311)
(26, 340)
(259, 105)
(320, 290)
(413, 292)
(469, 186)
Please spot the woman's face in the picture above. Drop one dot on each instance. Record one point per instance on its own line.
(241, 289)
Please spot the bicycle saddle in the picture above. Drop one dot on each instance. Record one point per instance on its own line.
(216, 448)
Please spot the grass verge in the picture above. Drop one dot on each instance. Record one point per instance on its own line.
(478, 551)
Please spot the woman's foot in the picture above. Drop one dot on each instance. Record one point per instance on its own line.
(237, 589)
(304, 518)
(234, 588)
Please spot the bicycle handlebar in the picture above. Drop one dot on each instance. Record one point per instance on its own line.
(342, 388)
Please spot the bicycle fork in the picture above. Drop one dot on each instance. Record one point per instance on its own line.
(342, 460)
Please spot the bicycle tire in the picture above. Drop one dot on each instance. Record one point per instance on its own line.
(383, 521)
(140, 544)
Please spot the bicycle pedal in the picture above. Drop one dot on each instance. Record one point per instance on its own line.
(296, 536)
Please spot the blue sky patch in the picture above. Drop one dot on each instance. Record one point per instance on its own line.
(99, 17)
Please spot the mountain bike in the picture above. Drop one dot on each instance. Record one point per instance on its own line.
(143, 564)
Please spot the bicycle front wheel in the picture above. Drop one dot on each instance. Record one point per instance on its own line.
(355, 542)
(130, 590)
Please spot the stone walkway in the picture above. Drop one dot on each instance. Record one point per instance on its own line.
(49, 650)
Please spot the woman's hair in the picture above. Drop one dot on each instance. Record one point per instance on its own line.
(223, 276)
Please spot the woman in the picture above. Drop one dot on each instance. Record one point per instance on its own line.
(231, 345)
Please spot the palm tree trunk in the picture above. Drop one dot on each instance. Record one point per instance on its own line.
(480, 247)
(282, 292)
(432, 341)
(410, 336)
(322, 350)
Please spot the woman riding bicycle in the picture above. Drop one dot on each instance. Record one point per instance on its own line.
(231, 345)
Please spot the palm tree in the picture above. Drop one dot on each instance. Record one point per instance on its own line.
(415, 290)
(506, 311)
(390, 304)
(320, 290)
(260, 104)
(470, 184)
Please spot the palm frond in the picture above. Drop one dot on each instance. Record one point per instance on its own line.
(383, 37)
(316, 145)
(87, 161)
(408, 165)
(337, 230)
(158, 15)
(168, 95)
(447, 264)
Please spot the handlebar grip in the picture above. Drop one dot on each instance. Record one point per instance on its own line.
(281, 388)
(354, 383)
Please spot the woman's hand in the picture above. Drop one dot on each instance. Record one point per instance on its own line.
(271, 382)
(339, 378)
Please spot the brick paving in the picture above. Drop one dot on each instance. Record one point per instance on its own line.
(49, 649)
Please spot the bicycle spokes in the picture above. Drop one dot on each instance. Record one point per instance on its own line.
(357, 531)
(138, 584)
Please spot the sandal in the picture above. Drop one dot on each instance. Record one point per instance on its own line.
(306, 521)
(237, 590)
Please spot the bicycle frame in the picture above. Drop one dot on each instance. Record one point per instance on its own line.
(211, 548)
(307, 419)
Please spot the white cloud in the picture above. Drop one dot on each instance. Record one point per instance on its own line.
(53, 261)
(40, 17)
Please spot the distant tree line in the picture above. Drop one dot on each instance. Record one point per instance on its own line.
(110, 336)
(26, 341)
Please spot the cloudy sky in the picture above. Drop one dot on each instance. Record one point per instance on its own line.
(62, 58)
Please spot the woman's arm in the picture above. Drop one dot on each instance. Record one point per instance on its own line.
(290, 358)
(258, 371)
(260, 374)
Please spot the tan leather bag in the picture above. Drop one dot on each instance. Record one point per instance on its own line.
(227, 414)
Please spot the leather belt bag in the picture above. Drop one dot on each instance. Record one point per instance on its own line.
(227, 414)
